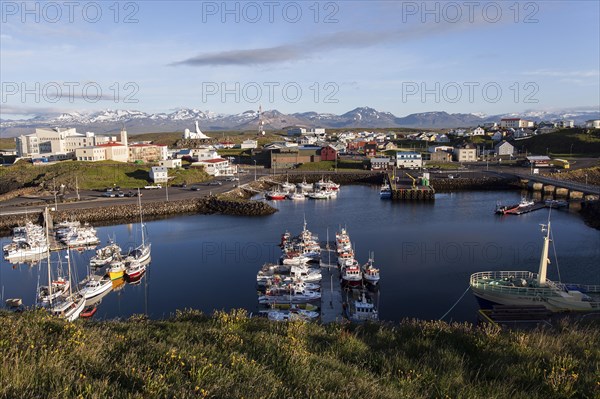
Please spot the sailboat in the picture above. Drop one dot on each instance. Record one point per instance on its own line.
(519, 288)
(142, 252)
(71, 306)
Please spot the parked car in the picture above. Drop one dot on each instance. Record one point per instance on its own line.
(215, 183)
(195, 188)
(120, 194)
(109, 194)
(133, 194)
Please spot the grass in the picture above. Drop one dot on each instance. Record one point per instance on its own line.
(90, 175)
(229, 355)
(330, 165)
(564, 142)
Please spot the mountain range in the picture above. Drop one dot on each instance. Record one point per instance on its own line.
(110, 121)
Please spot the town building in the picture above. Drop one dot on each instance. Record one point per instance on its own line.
(112, 151)
(329, 153)
(380, 163)
(216, 167)
(249, 144)
(465, 153)
(515, 123)
(539, 161)
(159, 174)
(593, 124)
(170, 163)
(478, 132)
(504, 148)
(371, 149)
(144, 153)
(408, 160)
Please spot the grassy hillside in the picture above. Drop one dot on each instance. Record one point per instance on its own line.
(7, 143)
(235, 136)
(231, 356)
(559, 143)
(90, 175)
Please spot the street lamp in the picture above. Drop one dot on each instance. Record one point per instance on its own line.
(255, 170)
(586, 179)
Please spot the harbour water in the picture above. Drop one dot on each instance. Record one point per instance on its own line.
(425, 251)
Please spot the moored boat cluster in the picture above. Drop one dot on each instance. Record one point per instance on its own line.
(323, 189)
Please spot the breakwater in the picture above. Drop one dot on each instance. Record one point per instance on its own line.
(130, 212)
(478, 183)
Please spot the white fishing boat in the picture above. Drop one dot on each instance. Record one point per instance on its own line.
(68, 307)
(134, 268)
(293, 314)
(362, 309)
(304, 186)
(105, 255)
(351, 273)
(296, 297)
(296, 196)
(527, 288)
(287, 186)
(318, 195)
(95, 286)
(370, 272)
(326, 185)
(306, 274)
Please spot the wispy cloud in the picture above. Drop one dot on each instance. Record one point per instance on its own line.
(590, 73)
(309, 47)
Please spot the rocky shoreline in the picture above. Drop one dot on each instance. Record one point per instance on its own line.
(130, 212)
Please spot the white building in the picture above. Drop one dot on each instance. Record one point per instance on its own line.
(466, 153)
(159, 174)
(478, 131)
(198, 135)
(504, 148)
(409, 160)
(249, 144)
(515, 123)
(382, 163)
(593, 124)
(567, 123)
(216, 167)
(170, 163)
(110, 151)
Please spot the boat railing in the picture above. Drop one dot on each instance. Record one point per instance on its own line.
(481, 281)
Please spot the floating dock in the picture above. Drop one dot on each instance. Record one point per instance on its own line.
(526, 209)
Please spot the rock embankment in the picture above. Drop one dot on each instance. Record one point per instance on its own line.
(478, 183)
(130, 212)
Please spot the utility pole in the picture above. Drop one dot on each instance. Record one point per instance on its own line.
(77, 189)
(54, 189)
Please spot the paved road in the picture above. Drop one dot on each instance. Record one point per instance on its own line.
(95, 199)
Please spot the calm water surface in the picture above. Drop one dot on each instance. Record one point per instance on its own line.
(426, 253)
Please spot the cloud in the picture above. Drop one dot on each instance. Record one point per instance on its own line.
(309, 47)
(590, 73)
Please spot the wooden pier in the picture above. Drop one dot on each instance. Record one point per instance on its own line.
(331, 289)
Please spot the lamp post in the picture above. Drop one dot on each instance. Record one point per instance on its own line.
(586, 179)
(255, 170)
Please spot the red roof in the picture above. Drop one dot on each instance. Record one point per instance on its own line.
(216, 160)
(111, 144)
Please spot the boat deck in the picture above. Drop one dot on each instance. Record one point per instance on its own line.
(331, 290)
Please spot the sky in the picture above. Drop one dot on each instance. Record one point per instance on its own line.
(401, 57)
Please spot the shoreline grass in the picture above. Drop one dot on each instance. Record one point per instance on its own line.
(228, 355)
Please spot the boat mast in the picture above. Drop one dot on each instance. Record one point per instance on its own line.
(141, 221)
(544, 258)
(46, 216)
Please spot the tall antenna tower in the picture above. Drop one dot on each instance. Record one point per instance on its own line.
(261, 123)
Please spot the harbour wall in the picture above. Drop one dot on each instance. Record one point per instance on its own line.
(130, 212)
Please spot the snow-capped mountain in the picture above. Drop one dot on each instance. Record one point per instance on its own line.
(109, 121)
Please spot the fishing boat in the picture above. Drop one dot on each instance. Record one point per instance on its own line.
(295, 297)
(95, 286)
(293, 314)
(304, 186)
(134, 268)
(105, 255)
(551, 203)
(318, 195)
(507, 209)
(342, 241)
(287, 186)
(351, 273)
(528, 288)
(326, 185)
(370, 272)
(275, 195)
(116, 270)
(305, 306)
(362, 309)
(385, 192)
(296, 196)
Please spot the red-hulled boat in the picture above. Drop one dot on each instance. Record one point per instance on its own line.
(89, 311)
(275, 195)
